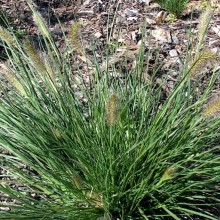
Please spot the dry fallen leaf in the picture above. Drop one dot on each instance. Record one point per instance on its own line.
(150, 21)
(161, 16)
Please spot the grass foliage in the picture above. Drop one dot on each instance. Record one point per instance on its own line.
(174, 7)
(123, 152)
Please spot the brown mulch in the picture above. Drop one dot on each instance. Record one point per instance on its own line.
(128, 17)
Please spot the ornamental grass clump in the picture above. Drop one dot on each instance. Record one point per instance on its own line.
(175, 7)
(124, 153)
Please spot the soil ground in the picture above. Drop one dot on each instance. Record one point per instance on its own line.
(122, 21)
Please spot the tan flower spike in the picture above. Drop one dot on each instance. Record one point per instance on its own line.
(13, 79)
(112, 109)
(200, 62)
(212, 109)
(204, 21)
(6, 36)
(34, 57)
(75, 37)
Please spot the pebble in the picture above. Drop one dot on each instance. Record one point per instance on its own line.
(173, 53)
(132, 18)
(173, 73)
(215, 50)
(175, 40)
(130, 12)
(162, 34)
(97, 34)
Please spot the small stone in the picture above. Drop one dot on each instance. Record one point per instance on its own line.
(163, 35)
(98, 35)
(173, 73)
(216, 30)
(166, 47)
(173, 53)
(132, 18)
(175, 40)
(130, 12)
(147, 2)
(215, 50)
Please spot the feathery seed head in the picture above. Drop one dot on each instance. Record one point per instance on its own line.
(75, 37)
(77, 181)
(13, 80)
(95, 198)
(41, 24)
(49, 70)
(112, 109)
(203, 24)
(57, 133)
(212, 108)
(34, 56)
(168, 173)
(6, 36)
(200, 62)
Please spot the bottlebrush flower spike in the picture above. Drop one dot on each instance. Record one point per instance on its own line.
(212, 108)
(6, 36)
(34, 57)
(200, 62)
(168, 174)
(112, 110)
(204, 21)
(41, 23)
(77, 182)
(13, 80)
(75, 38)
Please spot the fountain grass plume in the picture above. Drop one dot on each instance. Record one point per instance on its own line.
(212, 108)
(112, 109)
